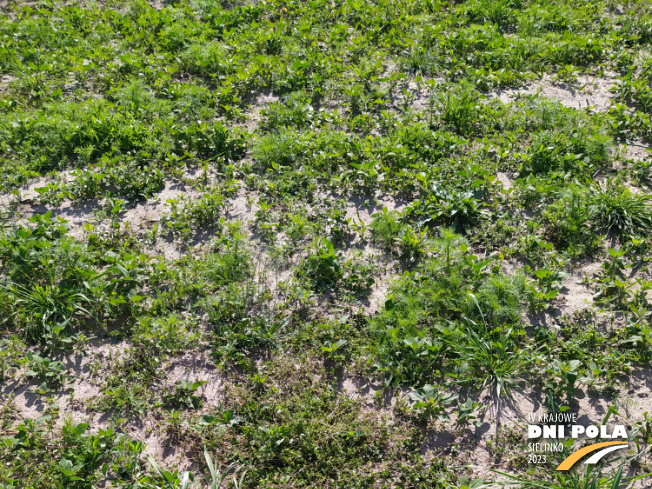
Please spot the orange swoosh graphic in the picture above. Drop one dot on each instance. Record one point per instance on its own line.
(574, 457)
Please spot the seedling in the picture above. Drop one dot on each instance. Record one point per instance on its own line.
(51, 373)
(183, 394)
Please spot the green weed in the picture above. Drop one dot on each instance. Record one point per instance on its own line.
(615, 208)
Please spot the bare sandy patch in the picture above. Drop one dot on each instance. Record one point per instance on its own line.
(72, 398)
(258, 104)
(363, 208)
(193, 367)
(376, 300)
(242, 207)
(142, 215)
(588, 92)
(504, 180)
(574, 294)
(635, 152)
(5, 82)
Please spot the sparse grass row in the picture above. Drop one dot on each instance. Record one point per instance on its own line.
(161, 114)
(121, 146)
(209, 41)
(54, 303)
